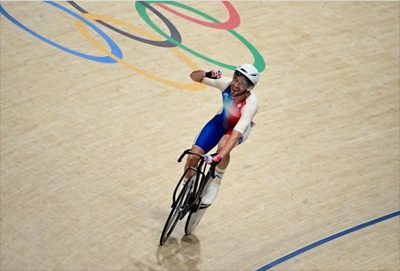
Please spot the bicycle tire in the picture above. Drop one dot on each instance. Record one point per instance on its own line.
(176, 213)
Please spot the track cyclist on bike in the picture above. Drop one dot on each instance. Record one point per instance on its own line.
(230, 126)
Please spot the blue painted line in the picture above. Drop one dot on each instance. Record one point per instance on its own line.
(115, 50)
(326, 240)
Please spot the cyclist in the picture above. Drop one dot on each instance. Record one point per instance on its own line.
(230, 126)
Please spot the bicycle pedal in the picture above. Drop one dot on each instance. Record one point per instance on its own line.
(182, 214)
(204, 206)
(193, 208)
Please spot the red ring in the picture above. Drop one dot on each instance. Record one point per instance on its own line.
(233, 21)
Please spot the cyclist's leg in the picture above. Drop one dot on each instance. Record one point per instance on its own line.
(192, 160)
(207, 139)
(213, 189)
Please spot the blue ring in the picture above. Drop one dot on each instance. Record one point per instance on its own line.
(115, 50)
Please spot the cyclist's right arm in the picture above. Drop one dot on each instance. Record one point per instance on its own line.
(221, 84)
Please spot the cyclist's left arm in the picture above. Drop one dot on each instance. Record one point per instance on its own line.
(248, 112)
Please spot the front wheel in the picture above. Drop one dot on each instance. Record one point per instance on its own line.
(177, 210)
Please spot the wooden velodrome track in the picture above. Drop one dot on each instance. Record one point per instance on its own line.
(89, 148)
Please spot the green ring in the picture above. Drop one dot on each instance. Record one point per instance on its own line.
(259, 62)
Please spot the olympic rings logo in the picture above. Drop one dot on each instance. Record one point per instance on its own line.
(172, 41)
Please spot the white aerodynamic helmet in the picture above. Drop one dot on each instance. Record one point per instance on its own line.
(250, 72)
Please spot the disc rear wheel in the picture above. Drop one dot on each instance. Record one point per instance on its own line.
(194, 218)
(197, 212)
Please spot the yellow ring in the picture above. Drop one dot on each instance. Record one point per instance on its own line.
(82, 27)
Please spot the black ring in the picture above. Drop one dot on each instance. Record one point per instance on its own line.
(174, 33)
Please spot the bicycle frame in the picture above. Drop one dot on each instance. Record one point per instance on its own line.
(200, 176)
(188, 200)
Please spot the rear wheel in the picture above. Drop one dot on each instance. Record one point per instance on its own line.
(178, 211)
(194, 218)
(198, 211)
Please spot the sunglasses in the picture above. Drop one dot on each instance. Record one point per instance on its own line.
(242, 80)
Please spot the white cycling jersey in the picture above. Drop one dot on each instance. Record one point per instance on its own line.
(238, 116)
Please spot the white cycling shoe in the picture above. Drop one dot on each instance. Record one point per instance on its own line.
(211, 194)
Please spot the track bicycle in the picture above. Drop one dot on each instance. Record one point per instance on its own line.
(189, 197)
